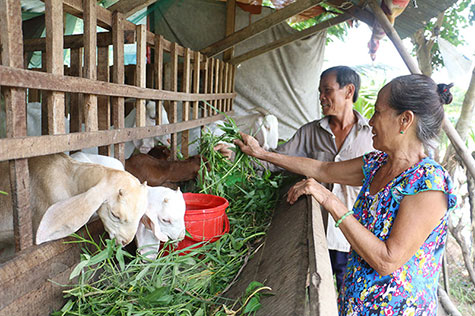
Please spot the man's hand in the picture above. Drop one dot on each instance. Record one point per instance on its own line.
(249, 146)
(224, 149)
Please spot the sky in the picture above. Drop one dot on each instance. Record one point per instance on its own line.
(338, 53)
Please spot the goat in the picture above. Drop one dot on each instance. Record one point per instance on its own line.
(65, 194)
(164, 217)
(262, 125)
(160, 152)
(157, 172)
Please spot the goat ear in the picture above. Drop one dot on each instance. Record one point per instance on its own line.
(66, 217)
(151, 223)
(178, 189)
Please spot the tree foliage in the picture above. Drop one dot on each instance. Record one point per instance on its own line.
(449, 27)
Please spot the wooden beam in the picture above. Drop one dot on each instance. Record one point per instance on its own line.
(129, 7)
(230, 25)
(90, 69)
(76, 108)
(259, 26)
(354, 10)
(26, 147)
(140, 72)
(77, 41)
(54, 63)
(20, 78)
(103, 105)
(196, 82)
(11, 39)
(185, 87)
(289, 39)
(174, 87)
(117, 103)
(451, 132)
(158, 66)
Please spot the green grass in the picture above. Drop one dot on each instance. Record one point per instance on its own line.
(110, 281)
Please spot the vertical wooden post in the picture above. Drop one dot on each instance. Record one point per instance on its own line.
(226, 87)
(205, 83)
(174, 88)
(54, 63)
(217, 67)
(44, 100)
(12, 43)
(104, 111)
(90, 72)
(233, 75)
(118, 77)
(230, 23)
(159, 75)
(222, 80)
(196, 82)
(185, 87)
(211, 78)
(75, 102)
(140, 72)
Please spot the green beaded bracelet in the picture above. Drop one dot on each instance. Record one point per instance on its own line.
(343, 217)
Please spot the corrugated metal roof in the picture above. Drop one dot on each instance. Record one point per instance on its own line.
(413, 19)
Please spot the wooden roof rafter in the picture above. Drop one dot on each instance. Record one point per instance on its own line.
(129, 7)
(350, 12)
(258, 27)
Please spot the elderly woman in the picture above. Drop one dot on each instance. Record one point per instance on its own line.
(398, 226)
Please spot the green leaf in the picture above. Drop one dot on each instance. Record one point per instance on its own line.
(77, 270)
(119, 255)
(252, 306)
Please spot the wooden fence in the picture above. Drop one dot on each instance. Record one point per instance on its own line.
(93, 93)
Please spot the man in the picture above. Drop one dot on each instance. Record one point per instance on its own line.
(341, 134)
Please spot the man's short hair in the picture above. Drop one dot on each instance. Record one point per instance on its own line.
(344, 76)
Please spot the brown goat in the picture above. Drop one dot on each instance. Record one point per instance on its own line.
(158, 172)
(160, 152)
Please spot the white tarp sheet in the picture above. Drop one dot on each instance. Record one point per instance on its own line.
(283, 81)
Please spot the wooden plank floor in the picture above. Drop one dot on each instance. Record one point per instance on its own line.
(291, 264)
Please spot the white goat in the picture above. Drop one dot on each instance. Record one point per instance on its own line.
(164, 217)
(262, 125)
(65, 194)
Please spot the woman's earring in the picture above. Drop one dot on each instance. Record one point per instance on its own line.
(401, 132)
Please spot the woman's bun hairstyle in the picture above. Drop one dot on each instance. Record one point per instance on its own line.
(444, 92)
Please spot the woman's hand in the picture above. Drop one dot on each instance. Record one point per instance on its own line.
(249, 145)
(309, 187)
(224, 149)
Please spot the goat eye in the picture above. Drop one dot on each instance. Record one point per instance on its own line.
(115, 216)
(167, 221)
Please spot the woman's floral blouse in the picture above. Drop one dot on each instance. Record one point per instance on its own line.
(412, 289)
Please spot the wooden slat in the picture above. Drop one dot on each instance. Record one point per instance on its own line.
(217, 78)
(104, 109)
(11, 40)
(44, 103)
(117, 103)
(90, 69)
(259, 26)
(205, 83)
(233, 77)
(76, 41)
(140, 72)
(20, 78)
(226, 86)
(185, 87)
(211, 78)
(129, 7)
(54, 63)
(196, 82)
(230, 25)
(290, 39)
(25, 147)
(75, 101)
(174, 87)
(159, 75)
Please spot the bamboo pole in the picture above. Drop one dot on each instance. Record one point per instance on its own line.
(449, 129)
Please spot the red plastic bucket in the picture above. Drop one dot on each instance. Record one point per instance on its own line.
(205, 219)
